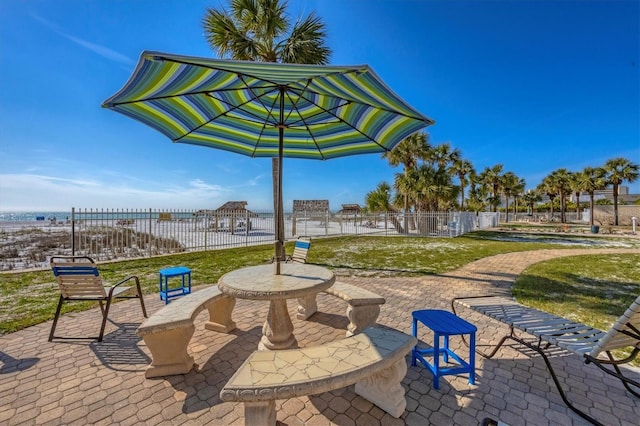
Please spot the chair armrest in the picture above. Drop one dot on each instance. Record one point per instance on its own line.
(119, 283)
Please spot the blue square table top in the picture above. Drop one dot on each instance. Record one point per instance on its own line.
(176, 270)
(444, 322)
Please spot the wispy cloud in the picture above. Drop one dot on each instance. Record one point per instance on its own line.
(27, 191)
(105, 52)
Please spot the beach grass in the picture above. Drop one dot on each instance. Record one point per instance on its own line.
(29, 298)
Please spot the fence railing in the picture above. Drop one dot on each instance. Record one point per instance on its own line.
(116, 234)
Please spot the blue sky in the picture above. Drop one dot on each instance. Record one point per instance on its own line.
(533, 85)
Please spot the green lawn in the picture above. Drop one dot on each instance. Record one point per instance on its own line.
(30, 298)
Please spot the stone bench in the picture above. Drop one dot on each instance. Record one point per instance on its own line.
(168, 331)
(373, 360)
(362, 310)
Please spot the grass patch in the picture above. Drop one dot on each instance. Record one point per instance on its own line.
(592, 289)
(29, 298)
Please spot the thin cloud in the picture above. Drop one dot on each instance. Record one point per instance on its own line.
(105, 52)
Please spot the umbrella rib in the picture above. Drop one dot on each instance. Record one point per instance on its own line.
(176, 95)
(232, 107)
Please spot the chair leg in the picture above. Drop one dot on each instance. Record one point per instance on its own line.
(104, 319)
(55, 319)
(144, 310)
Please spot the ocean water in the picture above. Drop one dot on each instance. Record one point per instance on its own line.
(33, 216)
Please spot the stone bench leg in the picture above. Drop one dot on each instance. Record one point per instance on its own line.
(307, 306)
(262, 413)
(385, 390)
(361, 317)
(220, 315)
(169, 352)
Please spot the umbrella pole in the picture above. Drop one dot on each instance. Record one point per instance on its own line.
(279, 245)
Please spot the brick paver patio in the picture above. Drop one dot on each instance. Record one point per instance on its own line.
(85, 382)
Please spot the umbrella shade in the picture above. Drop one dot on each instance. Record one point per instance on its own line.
(248, 107)
(239, 106)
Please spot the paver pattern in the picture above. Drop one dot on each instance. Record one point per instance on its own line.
(86, 382)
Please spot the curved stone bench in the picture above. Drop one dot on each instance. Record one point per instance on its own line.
(374, 360)
(362, 310)
(168, 331)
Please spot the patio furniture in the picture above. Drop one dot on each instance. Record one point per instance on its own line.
(300, 250)
(79, 280)
(167, 292)
(296, 280)
(583, 340)
(444, 325)
(373, 360)
(168, 331)
(363, 306)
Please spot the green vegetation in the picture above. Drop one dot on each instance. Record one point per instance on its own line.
(593, 290)
(603, 286)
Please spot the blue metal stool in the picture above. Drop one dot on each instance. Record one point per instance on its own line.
(179, 271)
(444, 324)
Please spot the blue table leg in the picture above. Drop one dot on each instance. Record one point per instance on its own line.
(472, 358)
(436, 361)
(446, 348)
(415, 334)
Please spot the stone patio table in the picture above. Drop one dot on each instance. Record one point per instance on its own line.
(296, 280)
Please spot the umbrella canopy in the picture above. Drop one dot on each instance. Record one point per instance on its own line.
(264, 109)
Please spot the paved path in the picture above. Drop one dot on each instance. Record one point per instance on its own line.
(82, 382)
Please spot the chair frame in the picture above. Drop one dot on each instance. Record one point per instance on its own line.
(568, 335)
(95, 290)
(300, 250)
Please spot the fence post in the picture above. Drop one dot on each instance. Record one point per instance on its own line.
(326, 223)
(150, 233)
(73, 231)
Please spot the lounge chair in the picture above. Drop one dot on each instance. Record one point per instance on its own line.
(79, 280)
(588, 342)
(300, 250)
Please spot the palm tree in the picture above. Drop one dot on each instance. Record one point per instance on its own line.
(510, 184)
(591, 179)
(490, 178)
(548, 188)
(407, 153)
(531, 198)
(258, 30)
(462, 168)
(380, 200)
(619, 170)
(560, 180)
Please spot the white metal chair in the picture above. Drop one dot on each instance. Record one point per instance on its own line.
(79, 280)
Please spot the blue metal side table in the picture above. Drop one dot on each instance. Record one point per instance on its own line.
(444, 324)
(167, 293)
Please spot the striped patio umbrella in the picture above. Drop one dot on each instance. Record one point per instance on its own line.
(264, 109)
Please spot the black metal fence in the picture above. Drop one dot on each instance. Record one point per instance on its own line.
(115, 234)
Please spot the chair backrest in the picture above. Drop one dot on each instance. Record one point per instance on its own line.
(624, 333)
(77, 277)
(301, 250)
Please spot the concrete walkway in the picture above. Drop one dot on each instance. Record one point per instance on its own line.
(85, 382)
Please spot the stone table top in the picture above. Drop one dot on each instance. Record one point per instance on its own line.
(260, 282)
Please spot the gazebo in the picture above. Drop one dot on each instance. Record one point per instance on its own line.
(309, 209)
(231, 212)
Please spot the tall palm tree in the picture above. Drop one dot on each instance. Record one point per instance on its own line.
(548, 188)
(531, 198)
(380, 199)
(260, 30)
(619, 170)
(510, 185)
(462, 168)
(408, 153)
(591, 179)
(560, 180)
(490, 178)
